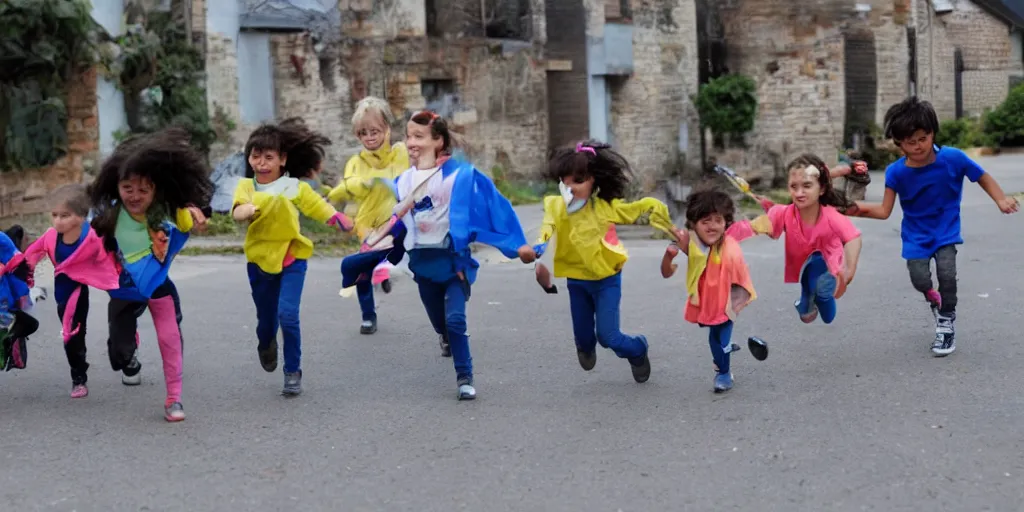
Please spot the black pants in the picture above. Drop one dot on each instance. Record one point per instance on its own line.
(74, 349)
(945, 271)
(123, 324)
(25, 324)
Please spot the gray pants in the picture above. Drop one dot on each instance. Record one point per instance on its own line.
(945, 270)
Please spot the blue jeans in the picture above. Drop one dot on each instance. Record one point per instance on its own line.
(720, 339)
(446, 307)
(364, 291)
(277, 298)
(600, 299)
(817, 286)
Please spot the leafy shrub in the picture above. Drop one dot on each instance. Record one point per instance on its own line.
(1005, 124)
(728, 105)
(963, 133)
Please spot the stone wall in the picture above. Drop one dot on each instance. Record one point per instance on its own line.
(24, 192)
(568, 107)
(650, 109)
(222, 92)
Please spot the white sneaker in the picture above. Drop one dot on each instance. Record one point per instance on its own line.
(133, 380)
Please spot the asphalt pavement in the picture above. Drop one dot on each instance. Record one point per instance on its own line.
(857, 415)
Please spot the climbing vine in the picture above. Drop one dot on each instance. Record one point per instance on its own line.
(160, 73)
(43, 44)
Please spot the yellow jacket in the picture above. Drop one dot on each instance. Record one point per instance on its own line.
(588, 247)
(274, 232)
(359, 185)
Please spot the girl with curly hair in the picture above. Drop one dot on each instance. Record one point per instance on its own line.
(593, 180)
(822, 245)
(278, 158)
(147, 200)
(365, 182)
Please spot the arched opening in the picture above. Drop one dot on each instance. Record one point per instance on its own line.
(861, 71)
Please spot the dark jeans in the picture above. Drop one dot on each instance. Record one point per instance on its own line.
(945, 271)
(278, 298)
(720, 337)
(814, 268)
(446, 308)
(595, 317)
(364, 290)
(74, 348)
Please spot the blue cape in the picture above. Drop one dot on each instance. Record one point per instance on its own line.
(141, 278)
(12, 288)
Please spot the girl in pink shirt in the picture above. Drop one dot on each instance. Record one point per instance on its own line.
(822, 245)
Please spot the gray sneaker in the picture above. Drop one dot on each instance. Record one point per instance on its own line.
(945, 335)
(132, 375)
(174, 412)
(466, 389)
(292, 384)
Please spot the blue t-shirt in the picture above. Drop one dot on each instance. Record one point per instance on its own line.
(930, 197)
(62, 284)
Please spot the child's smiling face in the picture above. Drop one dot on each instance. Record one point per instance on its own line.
(372, 131)
(136, 194)
(710, 228)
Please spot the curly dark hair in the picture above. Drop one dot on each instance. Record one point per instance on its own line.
(707, 201)
(829, 196)
(610, 170)
(166, 158)
(909, 116)
(303, 147)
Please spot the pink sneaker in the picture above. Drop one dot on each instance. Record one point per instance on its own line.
(79, 391)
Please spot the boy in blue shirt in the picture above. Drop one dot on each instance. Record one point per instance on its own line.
(929, 182)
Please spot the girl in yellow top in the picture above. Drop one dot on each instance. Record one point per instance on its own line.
(378, 162)
(593, 180)
(278, 157)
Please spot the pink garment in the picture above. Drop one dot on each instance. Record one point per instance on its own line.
(169, 338)
(90, 265)
(828, 236)
(382, 273)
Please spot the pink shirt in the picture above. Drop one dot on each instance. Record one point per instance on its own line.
(828, 236)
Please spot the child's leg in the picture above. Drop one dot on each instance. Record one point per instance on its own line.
(433, 296)
(817, 285)
(73, 316)
(122, 342)
(177, 307)
(455, 298)
(292, 279)
(719, 338)
(607, 300)
(266, 291)
(168, 337)
(921, 277)
(364, 291)
(581, 305)
(945, 271)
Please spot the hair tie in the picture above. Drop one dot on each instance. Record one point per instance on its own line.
(581, 148)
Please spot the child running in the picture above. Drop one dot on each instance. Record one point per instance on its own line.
(79, 261)
(16, 324)
(270, 198)
(146, 198)
(593, 180)
(379, 160)
(929, 182)
(717, 278)
(446, 204)
(822, 246)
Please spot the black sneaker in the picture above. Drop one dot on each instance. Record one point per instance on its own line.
(268, 356)
(385, 286)
(945, 335)
(758, 348)
(368, 327)
(641, 367)
(587, 360)
(446, 349)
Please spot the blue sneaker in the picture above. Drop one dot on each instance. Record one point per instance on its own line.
(723, 382)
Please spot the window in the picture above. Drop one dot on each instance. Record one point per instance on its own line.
(255, 78)
(499, 19)
(1017, 47)
(441, 96)
(617, 10)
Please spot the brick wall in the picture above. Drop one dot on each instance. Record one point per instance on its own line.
(24, 192)
(649, 107)
(935, 64)
(567, 90)
(222, 92)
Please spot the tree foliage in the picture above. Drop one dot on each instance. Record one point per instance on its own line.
(728, 105)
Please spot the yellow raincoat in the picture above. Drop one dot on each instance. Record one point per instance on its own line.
(359, 184)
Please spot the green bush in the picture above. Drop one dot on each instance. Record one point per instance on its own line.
(1005, 124)
(963, 133)
(728, 105)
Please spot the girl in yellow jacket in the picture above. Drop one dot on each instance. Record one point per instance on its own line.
(378, 162)
(278, 157)
(593, 180)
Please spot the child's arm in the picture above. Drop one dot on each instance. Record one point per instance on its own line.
(351, 187)
(317, 208)
(547, 229)
(242, 208)
(628, 213)
(1007, 204)
(851, 252)
(668, 269)
(879, 211)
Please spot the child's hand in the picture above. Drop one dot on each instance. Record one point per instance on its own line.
(340, 221)
(244, 212)
(852, 211)
(860, 167)
(198, 218)
(672, 250)
(1008, 205)
(527, 254)
(766, 204)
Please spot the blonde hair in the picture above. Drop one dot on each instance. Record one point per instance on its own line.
(372, 105)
